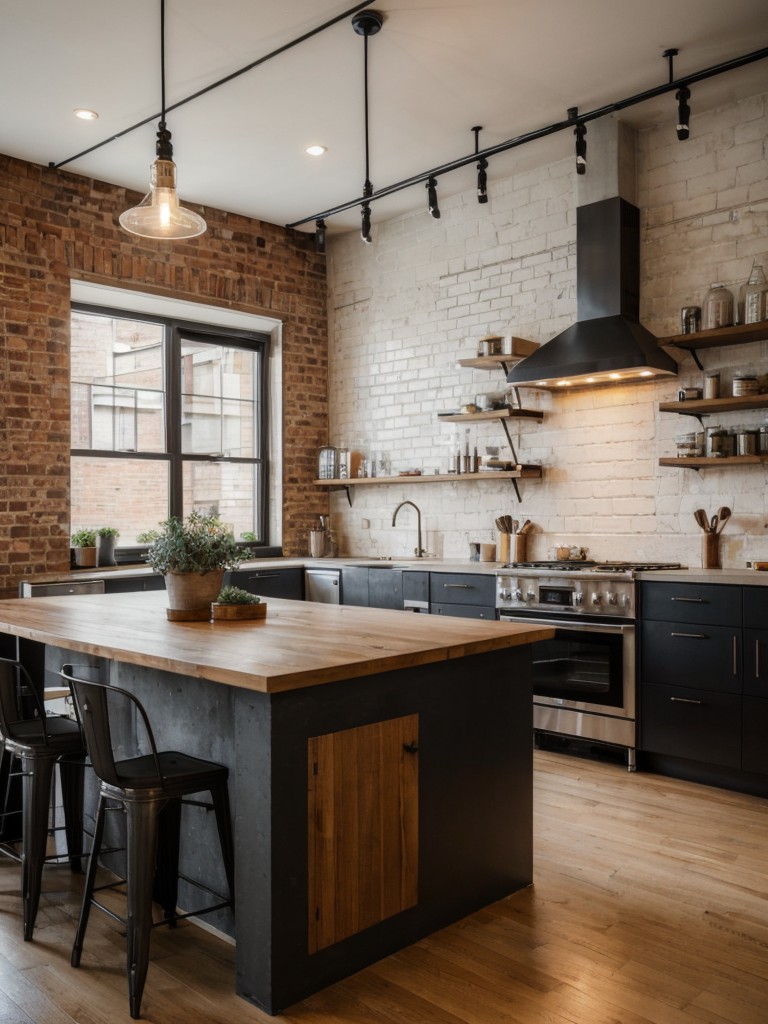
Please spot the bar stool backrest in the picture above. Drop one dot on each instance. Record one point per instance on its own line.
(20, 704)
(92, 702)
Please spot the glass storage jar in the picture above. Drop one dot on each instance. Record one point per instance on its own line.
(756, 296)
(717, 310)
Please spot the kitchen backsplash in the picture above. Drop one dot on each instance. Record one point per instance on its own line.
(404, 310)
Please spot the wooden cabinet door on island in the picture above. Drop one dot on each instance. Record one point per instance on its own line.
(363, 819)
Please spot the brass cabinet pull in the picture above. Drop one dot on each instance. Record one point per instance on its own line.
(691, 636)
(685, 700)
(689, 600)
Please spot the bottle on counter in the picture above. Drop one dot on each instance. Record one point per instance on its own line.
(717, 310)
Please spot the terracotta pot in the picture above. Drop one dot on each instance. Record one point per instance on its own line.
(86, 556)
(193, 591)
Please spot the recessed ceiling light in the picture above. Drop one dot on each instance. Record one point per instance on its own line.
(86, 115)
(316, 150)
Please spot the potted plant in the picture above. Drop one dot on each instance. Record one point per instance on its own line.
(235, 604)
(193, 554)
(84, 543)
(107, 536)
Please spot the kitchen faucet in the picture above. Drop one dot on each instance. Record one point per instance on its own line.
(419, 549)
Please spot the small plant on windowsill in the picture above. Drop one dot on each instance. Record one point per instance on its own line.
(235, 604)
(84, 543)
(107, 536)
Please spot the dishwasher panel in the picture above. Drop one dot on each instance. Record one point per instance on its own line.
(322, 585)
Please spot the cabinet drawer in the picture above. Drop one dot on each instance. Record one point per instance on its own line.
(690, 654)
(462, 588)
(698, 725)
(464, 611)
(754, 754)
(756, 607)
(269, 582)
(691, 602)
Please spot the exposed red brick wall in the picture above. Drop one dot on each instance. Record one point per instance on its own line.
(56, 226)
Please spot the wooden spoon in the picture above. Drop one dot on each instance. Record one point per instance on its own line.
(723, 515)
(701, 518)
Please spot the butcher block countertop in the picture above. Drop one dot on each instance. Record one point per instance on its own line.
(298, 644)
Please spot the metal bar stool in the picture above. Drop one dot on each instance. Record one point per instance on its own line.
(39, 742)
(149, 787)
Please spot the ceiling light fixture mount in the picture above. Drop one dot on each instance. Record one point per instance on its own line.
(159, 214)
(682, 96)
(366, 24)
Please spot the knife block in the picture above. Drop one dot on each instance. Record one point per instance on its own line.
(710, 551)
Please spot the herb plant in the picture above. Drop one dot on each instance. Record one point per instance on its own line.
(198, 544)
(236, 595)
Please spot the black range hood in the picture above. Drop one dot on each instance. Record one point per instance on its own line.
(607, 344)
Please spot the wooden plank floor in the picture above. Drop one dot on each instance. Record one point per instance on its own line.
(650, 906)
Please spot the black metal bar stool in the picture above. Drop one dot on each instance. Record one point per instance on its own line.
(39, 742)
(150, 788)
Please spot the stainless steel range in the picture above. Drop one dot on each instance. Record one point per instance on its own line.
(584, 678)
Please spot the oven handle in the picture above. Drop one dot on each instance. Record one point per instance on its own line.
(582, 627)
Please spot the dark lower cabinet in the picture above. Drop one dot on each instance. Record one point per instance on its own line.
(466, 595)
(269, 582)
(703, 683)
(354, 585)
(385, 588)
(754, 752)
(131, 584)
(465, 611)
(699, 725)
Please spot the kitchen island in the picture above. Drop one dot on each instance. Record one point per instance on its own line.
(380, 765)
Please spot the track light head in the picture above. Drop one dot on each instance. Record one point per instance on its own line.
(482, 182)
(683, 112)
(580, 131)
(365, 229)
(434, 209)
(320, 236)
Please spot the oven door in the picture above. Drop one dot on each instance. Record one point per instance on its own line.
(587, 667)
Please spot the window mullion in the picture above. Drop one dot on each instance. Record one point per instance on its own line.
(173, 417)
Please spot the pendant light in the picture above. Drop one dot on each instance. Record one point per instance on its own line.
(580, 131)
(159, 215)
(482, 167)
(365, 24)
(682, 96)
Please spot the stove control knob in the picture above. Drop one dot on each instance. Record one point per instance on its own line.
(597, 599)
(610, 596)
(626, 600)
(504, 593)
(517, 594)
(530, 595)
(578, 597)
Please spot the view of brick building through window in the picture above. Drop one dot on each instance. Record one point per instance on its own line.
(202, 430)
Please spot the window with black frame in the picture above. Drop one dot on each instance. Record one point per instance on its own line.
(167, 418)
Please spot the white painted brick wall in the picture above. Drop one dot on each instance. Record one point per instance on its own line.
(405, 309)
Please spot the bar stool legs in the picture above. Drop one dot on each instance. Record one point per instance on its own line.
(142, 828)
(37, 779)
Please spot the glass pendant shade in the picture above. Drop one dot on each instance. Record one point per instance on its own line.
(159, 214)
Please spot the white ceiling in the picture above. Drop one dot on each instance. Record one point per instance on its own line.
(437, 68)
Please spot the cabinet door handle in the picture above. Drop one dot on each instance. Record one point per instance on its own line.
(689, 600)
(264, 576)
(757, 659)
(685, 700)
(691, 636)
(458, 586)
(735, 666)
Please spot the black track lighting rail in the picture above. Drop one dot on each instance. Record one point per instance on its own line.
(673, 84)
(215, 85)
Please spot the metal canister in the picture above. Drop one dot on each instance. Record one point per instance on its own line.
(690, 319)
(762, 439)
(716, 441)
(712, 385)
(746, 441)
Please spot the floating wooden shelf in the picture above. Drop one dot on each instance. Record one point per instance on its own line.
(522, 473)
(740, 335)
(491, 414)
(706, 461)
(707, 406)
(520, 348)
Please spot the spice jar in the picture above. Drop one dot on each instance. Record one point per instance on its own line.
(712, 385)
(745, 384)
(717, 310)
